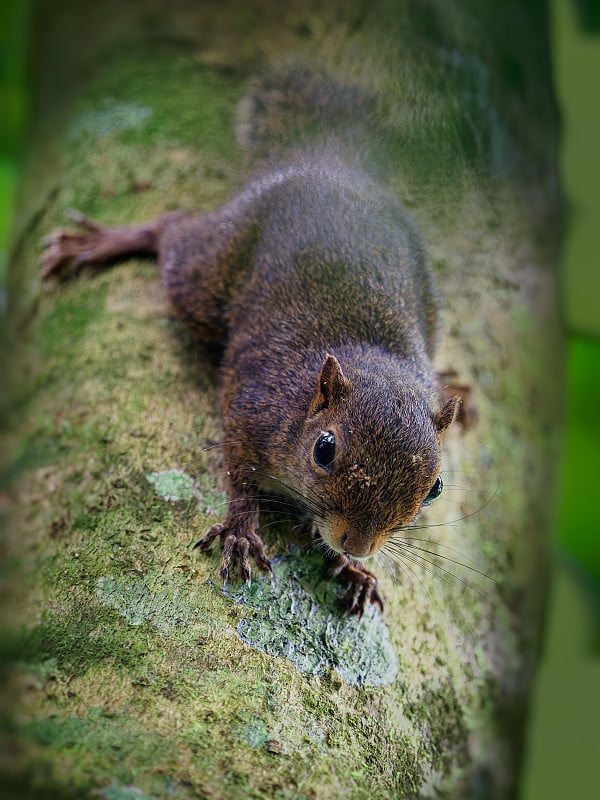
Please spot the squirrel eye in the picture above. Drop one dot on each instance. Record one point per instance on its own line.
(324, 451)
(434, 492)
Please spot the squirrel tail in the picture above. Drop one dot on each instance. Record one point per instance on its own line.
(288, 107)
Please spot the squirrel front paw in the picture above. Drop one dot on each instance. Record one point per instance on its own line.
(362, 582)
(236, 542)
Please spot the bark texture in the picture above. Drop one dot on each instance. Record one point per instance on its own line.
(131, 672)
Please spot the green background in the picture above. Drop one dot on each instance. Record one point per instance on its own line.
(563, 754)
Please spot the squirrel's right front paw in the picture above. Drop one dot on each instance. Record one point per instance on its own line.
(240, 543)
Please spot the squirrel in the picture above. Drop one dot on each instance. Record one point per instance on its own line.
(314, 282)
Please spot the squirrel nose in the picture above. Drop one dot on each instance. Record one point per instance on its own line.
(355, 546)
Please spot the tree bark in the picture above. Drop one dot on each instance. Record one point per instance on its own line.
(133, 672)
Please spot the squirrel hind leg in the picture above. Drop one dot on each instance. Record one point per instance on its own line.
(66, 252)
(467, 414)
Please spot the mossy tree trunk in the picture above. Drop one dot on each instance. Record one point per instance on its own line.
(135, 673)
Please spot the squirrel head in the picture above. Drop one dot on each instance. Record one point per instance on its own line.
(370, 461)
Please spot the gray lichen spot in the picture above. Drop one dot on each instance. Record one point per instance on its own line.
(173, 484)
(298, 616)
(176, 485)
(138, 601)
(114, 117)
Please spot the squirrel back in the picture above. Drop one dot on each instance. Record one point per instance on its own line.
(326, 306)
(294, 105)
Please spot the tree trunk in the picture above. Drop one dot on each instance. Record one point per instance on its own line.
(134, 673)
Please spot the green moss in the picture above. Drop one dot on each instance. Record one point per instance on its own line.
(124, 793)
(83, 637)
(111, 117)
(68, 319)
(52, 441)
(105, 748)
(135, 137)
(255, 733)
(97, 732)
(134, 99)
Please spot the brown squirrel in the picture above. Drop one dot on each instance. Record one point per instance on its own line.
(315, 283)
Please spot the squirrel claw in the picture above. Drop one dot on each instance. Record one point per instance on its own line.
(205, 542)
(358, 597)
(241, 544)
(362, 590)
(81, 219)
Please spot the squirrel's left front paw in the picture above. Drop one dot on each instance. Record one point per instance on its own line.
(363, 585)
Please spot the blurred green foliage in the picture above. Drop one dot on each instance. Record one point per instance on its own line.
(578, 520)
(14, 20)
(14, 106)
(576, 63)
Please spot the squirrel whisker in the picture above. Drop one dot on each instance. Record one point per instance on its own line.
(401, 545)
(305, 502)
(392, 565)
(397, 537)
(458, 519)
(434, 568)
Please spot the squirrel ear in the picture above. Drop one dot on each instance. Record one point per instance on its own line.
(447, 415)
(332, 385)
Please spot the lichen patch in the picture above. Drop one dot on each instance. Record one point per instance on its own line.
(138, 602)
(173, 484)
(298, 616)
